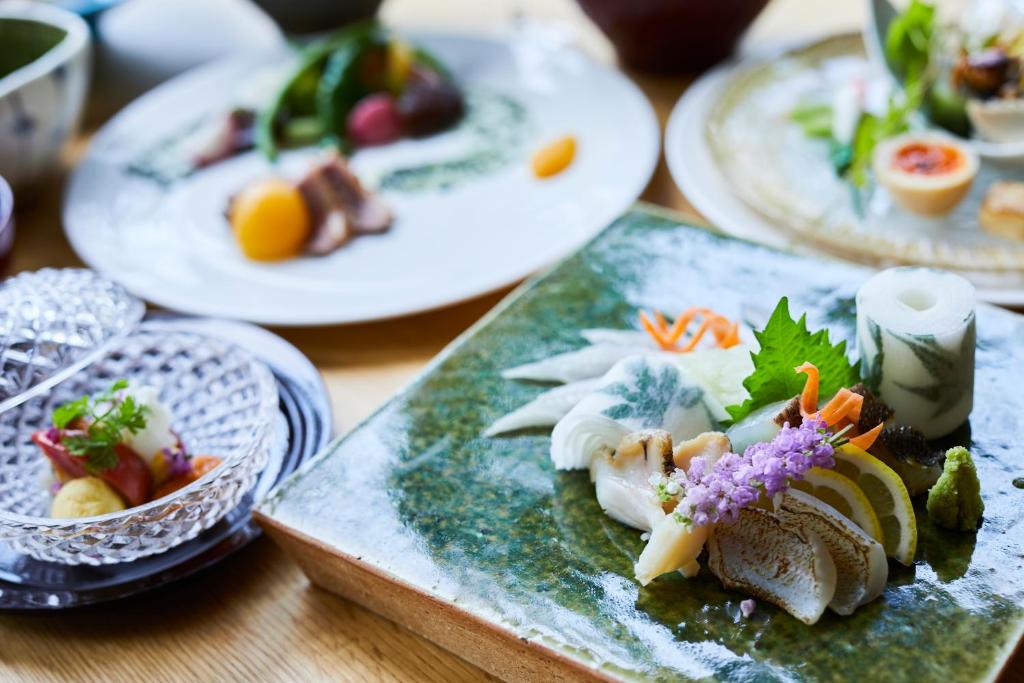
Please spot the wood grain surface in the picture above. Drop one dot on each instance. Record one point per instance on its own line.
(256, 617)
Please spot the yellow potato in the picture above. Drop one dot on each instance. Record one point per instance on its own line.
(555, 157)
(85, 497)
(400, 62)
(270, 220)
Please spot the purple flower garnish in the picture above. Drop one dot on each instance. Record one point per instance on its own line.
(747, 607)
(716, 493)
(178, 461)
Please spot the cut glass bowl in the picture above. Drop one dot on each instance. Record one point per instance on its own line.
(224, 402)
(53, 322)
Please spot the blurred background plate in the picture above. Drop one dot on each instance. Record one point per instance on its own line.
(132, 213)
(305, 428)
(733, 124)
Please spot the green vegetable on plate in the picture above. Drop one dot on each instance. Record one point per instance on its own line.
(333, 76)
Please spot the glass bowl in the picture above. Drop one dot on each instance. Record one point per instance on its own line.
(224, 403)
(54, 322)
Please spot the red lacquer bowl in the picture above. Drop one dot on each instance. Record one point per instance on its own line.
(685, 36)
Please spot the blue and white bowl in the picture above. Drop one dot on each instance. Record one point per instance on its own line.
(41, 102)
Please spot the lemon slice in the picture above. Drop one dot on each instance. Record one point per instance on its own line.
(888, 496)
(846, 497)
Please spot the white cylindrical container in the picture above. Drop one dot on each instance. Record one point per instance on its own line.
(916, 338)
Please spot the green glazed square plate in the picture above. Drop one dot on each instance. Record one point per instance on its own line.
(480, 545)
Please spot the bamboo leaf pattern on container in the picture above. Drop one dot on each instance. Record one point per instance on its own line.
(949, 374)
(651, 397)
(871, 365)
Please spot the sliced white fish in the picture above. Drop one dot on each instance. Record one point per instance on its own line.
(673, 546)
(622, 478)
(710, 445)
(546, 409)
(861, 567)
(721, 372)
(605, 335)
(762, 556)
(759, 426)
(640, 392)
(588, 362)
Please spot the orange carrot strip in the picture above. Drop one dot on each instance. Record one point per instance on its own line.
(834, 408)
(659, 318)
(732, 338)
(725, 331)
(867, 439)
(719, 326)
(683, 321)
(695, 339)
(809, 396)
(845, 404)
(652, 330)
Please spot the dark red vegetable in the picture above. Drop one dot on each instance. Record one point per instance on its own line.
(374, 121)
(130, 477)
(429, 106)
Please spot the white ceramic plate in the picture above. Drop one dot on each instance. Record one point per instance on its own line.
(131, 214)
(696, 170)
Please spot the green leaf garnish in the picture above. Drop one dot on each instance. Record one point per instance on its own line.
(872, 130)
(108, 416)
(785, 344)
(908, 41)
(815, 119)
(69, 412)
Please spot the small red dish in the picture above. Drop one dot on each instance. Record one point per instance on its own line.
(686, 36)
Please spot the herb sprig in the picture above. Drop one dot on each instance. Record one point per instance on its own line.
(785, 344)
(107, 415)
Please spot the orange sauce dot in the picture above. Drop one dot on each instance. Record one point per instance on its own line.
(927, 159)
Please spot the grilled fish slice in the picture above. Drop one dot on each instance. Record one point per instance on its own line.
(785, 565)
(861, 567)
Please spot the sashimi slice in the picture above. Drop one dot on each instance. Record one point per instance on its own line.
(588, 362)
(640, 392)
(622, 478)
(605, 335)
(762, 556)
(673, 546)
(546, 409)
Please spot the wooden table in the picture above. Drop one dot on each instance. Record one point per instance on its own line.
(256, 617)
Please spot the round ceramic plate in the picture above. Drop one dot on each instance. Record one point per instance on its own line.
(470, 216)
(305, 428)
(734, 124)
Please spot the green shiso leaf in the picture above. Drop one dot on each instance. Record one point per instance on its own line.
(785, 344)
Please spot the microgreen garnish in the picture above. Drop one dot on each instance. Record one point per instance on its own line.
(106, 416)
(785, 344)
